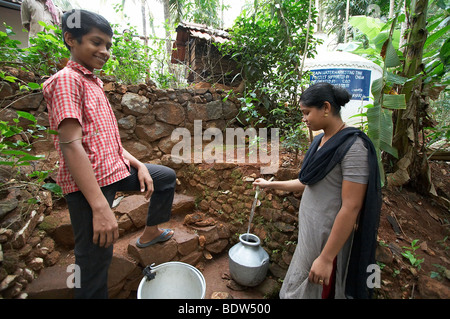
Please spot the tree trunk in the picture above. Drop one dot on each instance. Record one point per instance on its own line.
(347, 15)
(144, 25)
(167, 26)
(391, 8)
(412, 165)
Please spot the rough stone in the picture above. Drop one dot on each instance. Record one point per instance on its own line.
(28, 102)
(384, 255)
(36, 264)
(432, 289)
(135, 104)
(205, 112)
(182, 204)
(7, 282)
(127, 122)
(229, 110)
(154, 131)
(169, 112)
(193, 258)
(136, 207)
(218, 246)
(210, 233)
(6, 90)
(23, 234)
(166, 144)
(158, 253)
(187, 242)
(51, 284)
(221, 295)
(121, 267)
(138, 149)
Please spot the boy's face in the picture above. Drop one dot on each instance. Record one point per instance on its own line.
(93, 51)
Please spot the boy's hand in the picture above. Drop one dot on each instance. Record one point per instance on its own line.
(145, 181)
(106, 229)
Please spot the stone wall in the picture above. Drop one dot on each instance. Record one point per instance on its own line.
(147, 117)
(225, 192)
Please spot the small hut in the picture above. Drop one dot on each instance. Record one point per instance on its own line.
(195, 47)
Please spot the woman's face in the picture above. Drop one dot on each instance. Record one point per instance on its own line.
(313, 117)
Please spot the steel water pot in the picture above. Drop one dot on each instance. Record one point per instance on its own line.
(248, 261)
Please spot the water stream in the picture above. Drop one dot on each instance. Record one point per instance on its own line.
(252, 212)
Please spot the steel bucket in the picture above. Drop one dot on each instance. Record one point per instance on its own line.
(172, 280)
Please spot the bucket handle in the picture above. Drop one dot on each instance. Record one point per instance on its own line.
(149, 272)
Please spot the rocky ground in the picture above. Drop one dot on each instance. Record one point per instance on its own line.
(419, 225)
(34, 258)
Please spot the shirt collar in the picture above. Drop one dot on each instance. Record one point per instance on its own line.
(78, 67)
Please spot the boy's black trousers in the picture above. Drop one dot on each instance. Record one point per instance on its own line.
(93, 261)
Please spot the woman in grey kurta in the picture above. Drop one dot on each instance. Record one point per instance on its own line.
(329, 207)
(319, 206)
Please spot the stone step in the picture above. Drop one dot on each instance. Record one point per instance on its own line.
(192, 245)
(132, 210)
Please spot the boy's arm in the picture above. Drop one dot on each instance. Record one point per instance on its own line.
(145, 180)
(104, 222)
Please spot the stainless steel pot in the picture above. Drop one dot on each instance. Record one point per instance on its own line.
(248, 261)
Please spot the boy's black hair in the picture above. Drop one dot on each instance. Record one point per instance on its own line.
(79, 22)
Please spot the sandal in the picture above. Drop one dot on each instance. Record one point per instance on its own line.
(161, 238)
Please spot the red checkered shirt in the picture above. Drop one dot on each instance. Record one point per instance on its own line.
(75, 92)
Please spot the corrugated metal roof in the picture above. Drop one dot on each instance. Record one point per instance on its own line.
(185, 31)
(207, 36)
(13, 4)
(201, 31)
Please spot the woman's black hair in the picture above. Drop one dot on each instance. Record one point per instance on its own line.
(80, 22)
(318, 93)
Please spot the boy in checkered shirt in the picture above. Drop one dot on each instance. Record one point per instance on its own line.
(93, 163)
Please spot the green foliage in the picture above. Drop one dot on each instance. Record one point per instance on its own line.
(45, 55)
(15, 150)
(129, 60)
(436, 57)
(335, 13)
(379, 114)
(411, 255)
(16, 145)
(42, 58)
(441, 131)
(269, 43)
(203, 12)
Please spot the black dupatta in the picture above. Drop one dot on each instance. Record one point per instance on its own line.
(316, 165)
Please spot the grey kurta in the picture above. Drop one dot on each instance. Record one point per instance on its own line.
(319, 206)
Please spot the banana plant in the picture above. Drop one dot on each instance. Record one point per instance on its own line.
(382, 44)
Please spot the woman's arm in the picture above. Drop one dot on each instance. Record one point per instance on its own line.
(293, 185)
(105, 226)
(353, 195)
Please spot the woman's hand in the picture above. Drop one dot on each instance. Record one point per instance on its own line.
(261, 182)
(321, 270)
